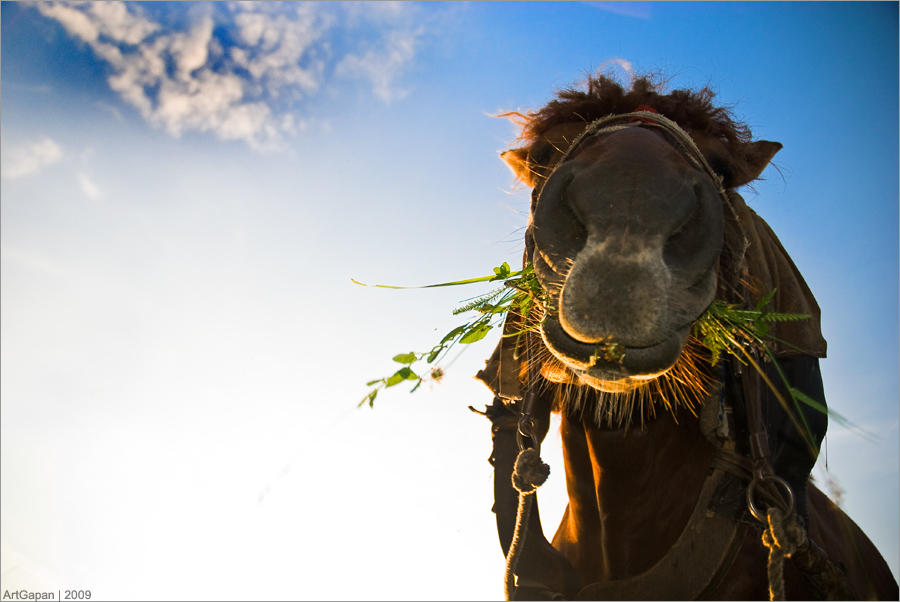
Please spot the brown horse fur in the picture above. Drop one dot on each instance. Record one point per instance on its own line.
(634, 474)
(693, 111)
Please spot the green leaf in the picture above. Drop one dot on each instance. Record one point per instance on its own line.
(765, 301)
(502, 272)
(495, 276)
(524, 304)
(370, 398)
(776, 317)
(476, 334)
(521, 291)
(374, 382)
(397, 377)
(405, 358)
(453, 334)
(801, 396)
(480, 301)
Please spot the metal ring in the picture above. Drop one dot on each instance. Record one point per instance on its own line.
(761, 517)
(526, 429)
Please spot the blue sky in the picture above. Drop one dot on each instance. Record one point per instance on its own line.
(188, 189)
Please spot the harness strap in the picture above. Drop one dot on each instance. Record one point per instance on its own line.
(734, 463)
(693, 568)
(756, 425)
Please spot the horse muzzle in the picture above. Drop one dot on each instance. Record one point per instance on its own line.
(614, 361)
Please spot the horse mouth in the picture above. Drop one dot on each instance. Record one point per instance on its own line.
(614, 367)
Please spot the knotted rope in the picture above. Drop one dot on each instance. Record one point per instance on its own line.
(783, 537)
(529, 473)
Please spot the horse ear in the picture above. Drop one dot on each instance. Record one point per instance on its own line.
(758, 155)
(517, 159)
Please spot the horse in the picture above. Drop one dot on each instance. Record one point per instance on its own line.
(678, 464)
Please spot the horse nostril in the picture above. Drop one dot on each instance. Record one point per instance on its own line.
(689, 242)
(562, 233)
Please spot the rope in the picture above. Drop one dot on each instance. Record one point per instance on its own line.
(529, 473)
(783, 537)
(512, 559)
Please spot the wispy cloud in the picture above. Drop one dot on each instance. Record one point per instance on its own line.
(88, 187)
(240, 70)
(29, 159)
(638, 10)
(382, 65)
(608, 67)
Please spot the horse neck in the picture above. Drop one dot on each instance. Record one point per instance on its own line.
(631, 492)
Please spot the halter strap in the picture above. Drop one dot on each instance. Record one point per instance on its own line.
(647, 116)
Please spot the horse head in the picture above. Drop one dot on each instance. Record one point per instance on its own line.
(630, 215)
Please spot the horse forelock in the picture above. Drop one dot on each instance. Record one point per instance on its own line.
(599, 96)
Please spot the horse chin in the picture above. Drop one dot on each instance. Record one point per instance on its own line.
(622, 385)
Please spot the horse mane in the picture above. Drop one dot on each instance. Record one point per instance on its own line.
(601, 95)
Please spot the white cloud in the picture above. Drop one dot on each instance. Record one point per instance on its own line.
(114, 21)
(75, 21)
(243, 86)
(91, 190)
(30, 159)
(383, 65)
(110, 19)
